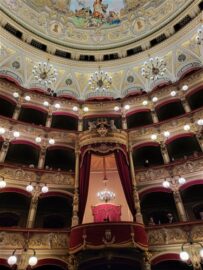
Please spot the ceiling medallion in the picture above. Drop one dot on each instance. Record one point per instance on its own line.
(16, 65)
(154, 69)
(100, 80)
(130, 79)
(69, 81)
(199, 36)
(44, 73)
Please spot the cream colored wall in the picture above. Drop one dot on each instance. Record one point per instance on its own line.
(96, 184)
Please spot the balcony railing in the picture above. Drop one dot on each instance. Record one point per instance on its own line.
(114, 235)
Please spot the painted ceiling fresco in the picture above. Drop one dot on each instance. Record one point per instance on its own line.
(93, 23)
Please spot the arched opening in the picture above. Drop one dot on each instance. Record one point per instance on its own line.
(93, 119)
(64, 121)
(169, 110)
(139, 119)
(171, 264)
(54, 212)
(193, 201)
(7, 107)
(50, 267)
(158, 208)
(33, 116)
(115, 263)
(23, 153)
(14, 209)
(61, 158)
(4, 265)
(195, 99)
(51, 264)
(183, 147)
(147, 155)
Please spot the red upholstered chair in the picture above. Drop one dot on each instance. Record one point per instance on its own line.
(106, 212)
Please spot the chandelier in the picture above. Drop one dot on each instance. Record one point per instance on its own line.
(199, 36)
(44, 73)
(154, 69)
(100, 80)
(105, 195)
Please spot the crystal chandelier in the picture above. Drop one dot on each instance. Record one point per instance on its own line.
(154, 69)
(44, 73)
(199, 36)
(100, 80)
(105, 195)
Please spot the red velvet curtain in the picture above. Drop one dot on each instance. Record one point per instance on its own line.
(124, 173)
(85, 161)
(123, 170)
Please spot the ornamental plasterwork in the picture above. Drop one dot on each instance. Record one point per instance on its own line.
(173, 235)
(158, 174)
(93, 23)
(43, 240)
(26, 176)
(73, 79)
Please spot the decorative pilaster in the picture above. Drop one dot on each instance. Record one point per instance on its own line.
(124, 122)
(185, 104)
(75, 218)
(16, 112)
(72, 263)
(146, 261)
(138, 216)
(154, 116)
(4, 150)
(33, 210)
(179, 205)
(42, 157)
(49, 120)
(164, 153)
(80, 124)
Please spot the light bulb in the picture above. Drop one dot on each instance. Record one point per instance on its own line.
(201, 253)
(116, 108)
(16, 134)
(154, 99)
(46, 103)
(200, 122)
(181, 180)
(27, 98)
(32, 261)
(166, 134)
(185, 87)
(15, 95)
(153, 137)
(75, 108)
(12, 260)
(51, 141)
(173, 93)
(29, 188)
(38, 139)
(45, 189)
(184, 256)
(57, 106)
(85, 109)
(186, 127)
(166, 184)
(145, 102)
(2, 183)
(2, 130)
(127, 107)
